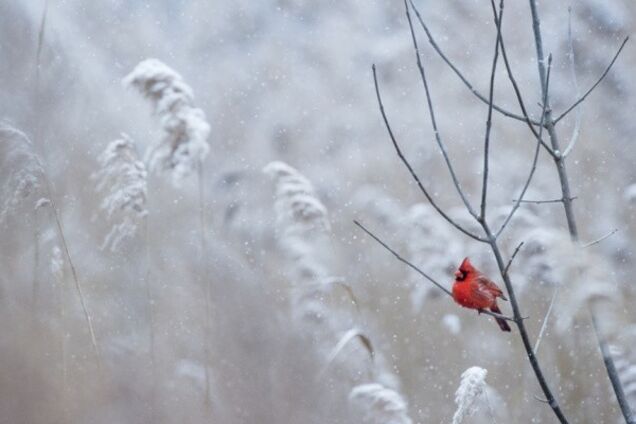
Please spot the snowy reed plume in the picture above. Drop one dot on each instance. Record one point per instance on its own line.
(471, 387)
(380, 404)
(302, 219)
(22, 172)
(183, 144)
(122, 180)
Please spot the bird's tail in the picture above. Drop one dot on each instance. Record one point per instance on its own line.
(503, 324)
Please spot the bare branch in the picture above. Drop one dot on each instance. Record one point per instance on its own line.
(592, 243)
(512, 258)
(491, 94)
(457, 72)
(588, 92)
(401, 259)
(540, 202)
(534, 159)
(431, 110)
(410, 168)
(613, 374)
(576, 131)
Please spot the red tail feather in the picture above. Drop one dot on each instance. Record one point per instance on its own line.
(503, 324)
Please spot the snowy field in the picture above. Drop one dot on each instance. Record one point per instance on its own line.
(219, 212)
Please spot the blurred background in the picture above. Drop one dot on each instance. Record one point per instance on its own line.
(290, 81)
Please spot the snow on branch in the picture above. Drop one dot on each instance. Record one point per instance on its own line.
(183, 144)
(122, 180)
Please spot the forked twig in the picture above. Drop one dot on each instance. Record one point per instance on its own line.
(410, 168)
(457, 72)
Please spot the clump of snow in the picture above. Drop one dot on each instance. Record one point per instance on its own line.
(297, 205)
(183, 145)
(380, 404)
(452, 323)
(471, 387)
(122, 180)
(303, 221)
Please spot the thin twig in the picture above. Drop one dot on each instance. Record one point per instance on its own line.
(512, 258)
(491, 93)
(422, 273)
(588, 92)
(429, 102)
(410, 168)
(598, 240)
(545, 321)
(457, 72)
(540, 202)
(403, 260)
(535, 159)
(576, 131)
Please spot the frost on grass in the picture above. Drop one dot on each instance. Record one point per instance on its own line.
(302, 222)
(380, 405)
(183, 144)
(471, 387)
(21, 172)
(298, 208)
(122, 181)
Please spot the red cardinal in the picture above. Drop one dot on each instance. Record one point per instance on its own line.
(474, 290)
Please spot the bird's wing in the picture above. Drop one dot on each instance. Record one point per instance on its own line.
(482, 294)
(490, 286)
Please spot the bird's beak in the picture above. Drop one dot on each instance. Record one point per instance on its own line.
(458, 274)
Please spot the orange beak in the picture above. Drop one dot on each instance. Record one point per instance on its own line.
(459, 274)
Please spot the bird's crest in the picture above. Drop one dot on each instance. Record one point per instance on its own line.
(466, 266)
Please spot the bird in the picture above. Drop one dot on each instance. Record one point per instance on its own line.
(474, 290)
